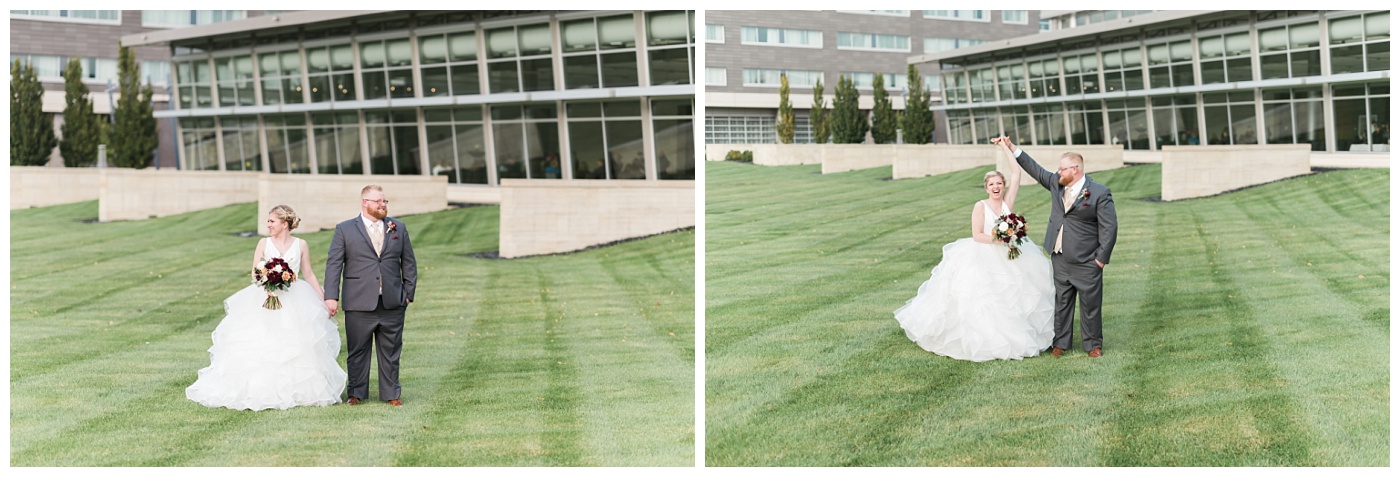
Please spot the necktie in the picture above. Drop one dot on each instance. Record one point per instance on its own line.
(1067, 201)
(377, 238)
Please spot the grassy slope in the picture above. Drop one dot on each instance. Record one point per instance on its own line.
(582, 359)
(1246, 329)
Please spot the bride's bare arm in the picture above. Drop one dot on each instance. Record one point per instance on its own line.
(1013, 179)
(308, 272)
(978, 221)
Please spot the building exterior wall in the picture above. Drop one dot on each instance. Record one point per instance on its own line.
(733, 99)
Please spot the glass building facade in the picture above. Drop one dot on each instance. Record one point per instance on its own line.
(474, 96)
(1319, 78)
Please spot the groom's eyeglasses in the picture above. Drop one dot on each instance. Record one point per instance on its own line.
(382, 201)
(1062, 169)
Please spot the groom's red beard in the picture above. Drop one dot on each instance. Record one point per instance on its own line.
(378, 214)
(1066, 180)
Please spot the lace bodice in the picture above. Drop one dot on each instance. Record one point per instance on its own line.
(292, 255)
(989, 218)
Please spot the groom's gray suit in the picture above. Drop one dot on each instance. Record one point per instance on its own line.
(1090, 231)
(369, 314)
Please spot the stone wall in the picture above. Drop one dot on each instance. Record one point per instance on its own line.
(548, 216)
(852, 157)
(1199, 171)
(914, 161)
(128, 194)
(37, 186)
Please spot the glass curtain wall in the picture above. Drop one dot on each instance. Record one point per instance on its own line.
(1294, 116)
(1361, 114)
(672, 127)
(1175, 120)
(337, 142)
(457, 144)
(242, 149)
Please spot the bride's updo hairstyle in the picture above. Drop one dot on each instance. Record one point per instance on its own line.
(286, 214)
(988, 176)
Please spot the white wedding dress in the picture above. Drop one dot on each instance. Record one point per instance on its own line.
(273, 359)
(979, 306)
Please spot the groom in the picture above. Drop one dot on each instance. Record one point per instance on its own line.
(1079, 236)
(380, 276)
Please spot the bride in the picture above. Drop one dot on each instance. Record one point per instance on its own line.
(274, 359)
(977, 305)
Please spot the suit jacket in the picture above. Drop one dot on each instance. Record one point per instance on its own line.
(352, 258)
(1091, 223)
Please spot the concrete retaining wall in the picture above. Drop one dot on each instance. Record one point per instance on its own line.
(325, 200)
(913, 161)
(128, 194)
(37, 186)
(852, 157)
(1198, 171)
(546, 216)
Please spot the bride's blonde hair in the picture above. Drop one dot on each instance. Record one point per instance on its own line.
(988, 176)
(286, 214)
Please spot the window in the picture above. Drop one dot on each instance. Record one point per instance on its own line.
(600, 52)
(518, 59)
(1170, 65)
(198, 138)
(955, 88)
(195, 81)
(781, 37)
(740, 130)
(1019, 17)
(944, 44)
(109, 17)
(46, 67)
(449, 64)
(184, 18)
(527, 141)
(337, 142)
(241, 149)
(234, 75)
(157, 72)
(1044, 77)
(1226, 58)
(386, 68)
(982, 85)
(457, 144)
(1122, 69)
(286, 144)
(959, 127)
(672, 128)
(670, 47)
(796, 78)
(1049, 124)
(1082, 74)
(331, 71)
(281, 77)
(1361, 115)
(968, 15)
(1011, 84)
(892, 81)
(393, 142)
(893, 13)
(1360, 43)
(1175, 120)
(1016, 121)
(605, 139)
(714, 33)
(1127, 124)
(716, 76)
(1294, 116)
(1230, 118)
(871, 41)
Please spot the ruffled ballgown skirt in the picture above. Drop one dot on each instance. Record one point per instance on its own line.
(979, 306)
(272, 359)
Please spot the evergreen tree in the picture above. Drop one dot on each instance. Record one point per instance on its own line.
(884, 127)
(81, 128)
(786, 119)
(848, 122)
(819, 115)
(918, 118)
(134, 139)
(31, 131)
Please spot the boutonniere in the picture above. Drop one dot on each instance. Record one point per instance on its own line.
(1084, 196)
(394, 226)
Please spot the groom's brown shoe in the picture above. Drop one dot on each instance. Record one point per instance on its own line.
(395, 403)
(1056, 351)
(1096, 352)
(353, 401)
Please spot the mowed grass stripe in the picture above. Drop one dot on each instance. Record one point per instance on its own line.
(86, 391)
(1169, 313)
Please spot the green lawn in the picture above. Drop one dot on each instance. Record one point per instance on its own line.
(1247, 329)
(585, 359)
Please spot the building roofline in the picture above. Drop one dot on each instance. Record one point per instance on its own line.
(1095, 29)
(282, 20)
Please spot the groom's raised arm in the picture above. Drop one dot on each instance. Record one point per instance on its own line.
(335, 263)
(1046, 178)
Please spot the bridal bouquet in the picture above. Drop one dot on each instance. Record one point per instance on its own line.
(273, 275)
(1010, 229)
